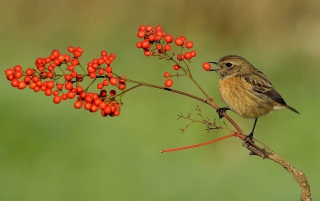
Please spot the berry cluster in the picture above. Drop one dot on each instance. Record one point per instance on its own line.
(156, 43)
(67, 84)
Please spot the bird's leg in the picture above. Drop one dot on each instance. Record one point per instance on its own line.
(221, 110)
(250, 136)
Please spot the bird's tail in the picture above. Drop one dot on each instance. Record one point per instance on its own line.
(291, 108)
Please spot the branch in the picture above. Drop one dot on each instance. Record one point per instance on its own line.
(254, 149)
(298, 176)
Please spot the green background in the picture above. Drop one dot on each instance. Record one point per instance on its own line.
(54, 152)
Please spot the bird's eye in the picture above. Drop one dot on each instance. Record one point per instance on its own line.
(228, 64)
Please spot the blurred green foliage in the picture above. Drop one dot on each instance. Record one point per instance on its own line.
(54, 152)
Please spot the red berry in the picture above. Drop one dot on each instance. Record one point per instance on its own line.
(94, 108)
(70, 95)
(56, 99)
(105, 82)
(158, 28)
(39, 83)
(61, 58)
(87, 106)
(166, 74)
(79, 49)
(32, 85)
(147, 53)
(79, 89)
(14, 82)
(102, 105)
(18, 74)
(88, 99)
(141, 34)
(189, 44)
(116, 113)
(168, 38)
(168, 83)
(70, 68)
(27, 79)
(17, 68)
(49, 84)
(83, 94)
(176, 67)
(59, 86)
(77, 104)
(167, 47)
(179, 42)
(193, 53)
(74, 62)
(9, 71)
(180, 57)
(206, 66)
(142, 28)
(114, 80)
(159, 47)
(22, 85)
(67, 77)
(48, 92)
(109, 69)
(138, 44)
(103, 93)
(152, 38)
(49, 75)
(68, 86)
(67, 57)
(77, 53)
(55, 93)
(183, 38)
(79, 78)
(55, 53)
(107, 110)
(121, 87)
(29, 71)
(92, 75)
(97, 101)
(149, 28)
(100, 86)
(187, 55)
(64, 96)
(74, 74)
(70, 49)
(112, 92)
(35, 78)
(101, 71)
(145, 44)
(104, 53)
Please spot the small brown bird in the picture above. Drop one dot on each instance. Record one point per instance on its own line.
(246, 90)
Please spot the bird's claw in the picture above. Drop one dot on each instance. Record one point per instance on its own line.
(221, 110)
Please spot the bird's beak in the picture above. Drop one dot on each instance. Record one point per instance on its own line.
(213, 62)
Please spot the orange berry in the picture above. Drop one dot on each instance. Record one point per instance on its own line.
(206, 66)
(176, 67)
(168, 83)
(168, 38)
(189, 44)
(179, 42)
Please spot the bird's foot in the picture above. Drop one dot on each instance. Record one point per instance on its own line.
(221, 110)
(249, 139)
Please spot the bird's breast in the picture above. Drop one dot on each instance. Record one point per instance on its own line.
(240, 97)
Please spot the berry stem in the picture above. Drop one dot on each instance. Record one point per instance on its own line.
(210, 102)
(82, 69)
(200, 144)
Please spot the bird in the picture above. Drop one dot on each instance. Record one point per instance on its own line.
(246, 90)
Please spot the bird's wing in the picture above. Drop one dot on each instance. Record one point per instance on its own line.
(261, 84)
